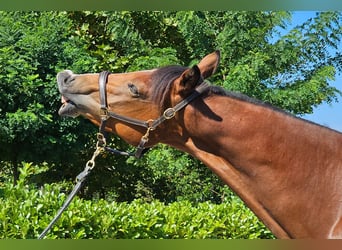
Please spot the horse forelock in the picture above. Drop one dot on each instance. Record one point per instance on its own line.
(162, 80)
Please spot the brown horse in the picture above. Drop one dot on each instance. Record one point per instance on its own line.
(287, 170)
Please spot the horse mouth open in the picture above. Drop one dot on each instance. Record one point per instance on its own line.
(68, 108)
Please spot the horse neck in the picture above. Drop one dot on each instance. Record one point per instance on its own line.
(258, 152)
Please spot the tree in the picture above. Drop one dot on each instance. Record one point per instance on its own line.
(34, 46)
(292, 73)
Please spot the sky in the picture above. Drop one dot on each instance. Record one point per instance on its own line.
(329, 115)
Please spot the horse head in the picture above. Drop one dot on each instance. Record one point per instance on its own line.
(140, 95)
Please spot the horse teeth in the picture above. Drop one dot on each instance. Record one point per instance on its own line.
(64, 99)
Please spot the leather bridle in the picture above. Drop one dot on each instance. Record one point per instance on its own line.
(150, 125)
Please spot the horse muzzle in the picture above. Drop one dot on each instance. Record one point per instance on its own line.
(68, 108)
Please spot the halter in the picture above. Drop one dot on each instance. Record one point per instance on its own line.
(105, 114)
(150, 125)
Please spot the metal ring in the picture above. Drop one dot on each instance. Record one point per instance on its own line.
(169, 113)
(104, 114)
(150, 124)
(90, 164)
(101, 140)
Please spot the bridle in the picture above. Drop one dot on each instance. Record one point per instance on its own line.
(150, 124)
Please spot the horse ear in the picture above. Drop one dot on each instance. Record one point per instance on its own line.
(191, 77)
(209, 63)
(189, 80)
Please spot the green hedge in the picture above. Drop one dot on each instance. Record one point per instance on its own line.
(26, 210)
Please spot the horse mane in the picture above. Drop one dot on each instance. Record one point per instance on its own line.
(217, 90)
(162, 80)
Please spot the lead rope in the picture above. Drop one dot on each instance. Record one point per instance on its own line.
(100, 145)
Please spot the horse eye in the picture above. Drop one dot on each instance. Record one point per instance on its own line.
(133, 89)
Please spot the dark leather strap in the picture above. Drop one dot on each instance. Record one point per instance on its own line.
(150, 125)
(103, 79)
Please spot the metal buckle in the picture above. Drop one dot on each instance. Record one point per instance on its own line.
(104, 114)
(169, 113)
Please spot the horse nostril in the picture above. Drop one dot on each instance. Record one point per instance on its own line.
(65, 77)
(66, 80)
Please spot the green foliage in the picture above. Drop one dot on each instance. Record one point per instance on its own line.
(291, 72)
(26, 210)
(157, 57)
(168, 171)
(34, 45)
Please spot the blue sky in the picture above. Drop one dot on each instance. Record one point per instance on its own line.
(329, 115)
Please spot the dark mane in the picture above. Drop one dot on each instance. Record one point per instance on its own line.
(217, 90)
(162, 80)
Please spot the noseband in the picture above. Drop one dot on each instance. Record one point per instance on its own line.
(150, 125)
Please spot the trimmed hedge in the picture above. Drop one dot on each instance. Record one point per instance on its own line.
(25, 211)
